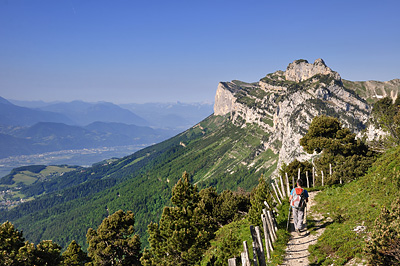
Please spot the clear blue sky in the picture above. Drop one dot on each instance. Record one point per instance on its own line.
(126, 51)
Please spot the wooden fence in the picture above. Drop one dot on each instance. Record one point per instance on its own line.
(261, 255)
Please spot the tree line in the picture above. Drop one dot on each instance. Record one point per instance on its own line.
(182, 235)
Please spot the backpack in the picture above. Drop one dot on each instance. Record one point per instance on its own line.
(298, 199)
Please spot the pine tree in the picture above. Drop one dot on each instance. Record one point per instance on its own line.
(26, 255)
(259, 194)
(114, 241)
(14, 251)
(74, 255)
(350, 157)
(11, 240)
(292, 170)
(184, 230)
(48, 253)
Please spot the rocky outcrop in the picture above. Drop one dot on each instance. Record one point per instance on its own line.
(301, 70)
(224, 100)
(284, 103)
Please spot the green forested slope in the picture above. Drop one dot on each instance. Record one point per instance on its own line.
(215, 152)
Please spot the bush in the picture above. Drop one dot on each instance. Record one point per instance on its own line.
(384, 245)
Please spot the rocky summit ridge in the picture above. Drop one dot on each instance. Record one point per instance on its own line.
(301, 70)
(284, 103)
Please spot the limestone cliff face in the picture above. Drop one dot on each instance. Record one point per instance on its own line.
(284, 103)
(301, 70)
(225, 99)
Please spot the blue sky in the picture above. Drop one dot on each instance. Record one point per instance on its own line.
(166, 51)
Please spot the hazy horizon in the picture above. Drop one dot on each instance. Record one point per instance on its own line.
(169, 51)
(94, 102)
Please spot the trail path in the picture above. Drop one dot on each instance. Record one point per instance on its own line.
(297, 248)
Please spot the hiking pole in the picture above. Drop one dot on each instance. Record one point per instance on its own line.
(305, 216)
(288, 219)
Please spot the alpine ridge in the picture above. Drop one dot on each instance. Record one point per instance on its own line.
(283, 103)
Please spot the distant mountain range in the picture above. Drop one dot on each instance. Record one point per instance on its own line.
(172, 115)
(14, 115)
(177, 116)
(77, 125)
(83, 113)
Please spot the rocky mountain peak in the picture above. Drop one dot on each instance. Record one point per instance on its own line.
(283, 104)
(301, 70)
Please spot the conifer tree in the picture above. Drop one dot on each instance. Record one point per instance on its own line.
(231, 206)
(184, 230)
(292, 170)
(74, 255)
(48, 253)
(349, 157)
(26, 255)
(259, 194)
(114, 241)
(11, 241)
(14, 251)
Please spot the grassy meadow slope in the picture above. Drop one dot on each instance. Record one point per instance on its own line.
(353, 209)
(214, 152)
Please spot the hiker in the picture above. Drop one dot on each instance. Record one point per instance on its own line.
(298, 200)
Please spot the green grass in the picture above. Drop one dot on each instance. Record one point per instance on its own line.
(24, 178)
(355, 204)
(55, 170)
(239, 229)
(268, 121)
(27, 177)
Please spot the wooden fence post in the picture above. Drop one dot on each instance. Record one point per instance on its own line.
(282, 187)
(268, 242)
(246, 254)
(313, 176)
(260, 254)
(322, 176)
(276, 193)
(308, 182)
(245, 260)
(279, 191)
(273, 224)
(287, 184)
(255, 253)
(232, 262)
(270, 227)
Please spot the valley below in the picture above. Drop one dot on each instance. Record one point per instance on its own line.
(80, 157)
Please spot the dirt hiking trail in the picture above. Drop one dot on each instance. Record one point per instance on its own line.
(297, 247)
